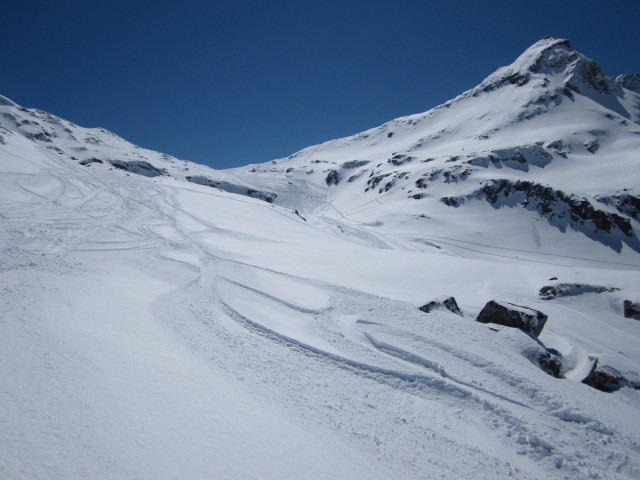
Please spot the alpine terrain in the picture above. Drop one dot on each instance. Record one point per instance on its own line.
(450, 295)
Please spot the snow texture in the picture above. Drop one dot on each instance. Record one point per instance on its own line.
(163, 320)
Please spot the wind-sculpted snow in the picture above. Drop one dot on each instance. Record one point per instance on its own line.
(159, 322)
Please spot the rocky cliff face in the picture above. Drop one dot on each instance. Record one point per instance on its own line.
(630, 81)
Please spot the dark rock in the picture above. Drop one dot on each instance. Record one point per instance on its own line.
(551, 363)
(139, 167)
(392, 182)
(557, 207)
(42, 136)
(268, 197)
(456, 174)
(333, 178)
(450, 201)
(592, 146)
(445, 302)
(400, 158)
(513, 78)
(89, 161)
(354, 164)
(298, 214)
(550, 292)
(559, 147)
(625, 203)
(631, 310)
(515, 316)
(547, 57)
(422, 183)
(375, 180)
(589, 72)
(630, 81)
(604, 378)
(519, 158)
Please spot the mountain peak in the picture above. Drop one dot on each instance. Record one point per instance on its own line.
(556, 58)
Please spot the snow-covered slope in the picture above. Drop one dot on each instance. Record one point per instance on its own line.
(100, 148)
(541, 151)
(154, 327)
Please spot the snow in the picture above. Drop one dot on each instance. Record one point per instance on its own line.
(156, 328)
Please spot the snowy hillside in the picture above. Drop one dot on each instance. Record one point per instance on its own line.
(550, 135)
(293, 319)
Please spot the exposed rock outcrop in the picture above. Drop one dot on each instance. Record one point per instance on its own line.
(631, 310)
(625, 203)
(225, 186)
(630, 81)
(139, 167)
(448, 303)
(333, 178)
(604, 378)
(560, 209)
(550, 292)
(551, 363)
(354, 164)
(515, 316)
(519, 158)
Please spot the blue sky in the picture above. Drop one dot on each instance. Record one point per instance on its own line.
(238, 82)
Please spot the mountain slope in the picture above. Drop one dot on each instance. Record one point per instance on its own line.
(551, 134)
(156, 327)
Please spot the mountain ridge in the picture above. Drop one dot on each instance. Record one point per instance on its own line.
(552, 110)
(452, 295)
(502, 122)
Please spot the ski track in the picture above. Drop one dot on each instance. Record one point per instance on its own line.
(101, 204)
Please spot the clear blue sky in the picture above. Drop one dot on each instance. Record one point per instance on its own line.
(238, 82)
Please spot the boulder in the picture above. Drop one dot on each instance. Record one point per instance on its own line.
(631, 310)
(444, 302)
(604, 378)
(515, 316)
(551, 363)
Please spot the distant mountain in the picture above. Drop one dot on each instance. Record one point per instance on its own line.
(451, 295)
(550, 135)
(100, 148)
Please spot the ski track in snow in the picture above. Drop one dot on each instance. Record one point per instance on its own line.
(158, 329)
(533, 433)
